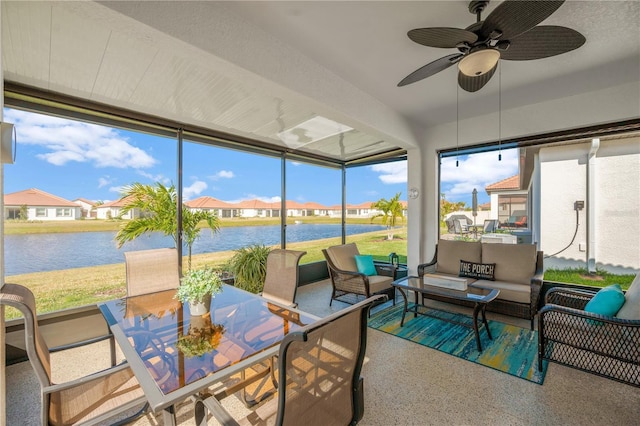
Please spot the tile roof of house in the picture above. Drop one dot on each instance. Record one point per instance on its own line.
(206, 202)
(84, 200)
(36, 197)
(511, 183)
(117, 203)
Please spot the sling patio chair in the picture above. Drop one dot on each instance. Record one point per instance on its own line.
(149, 271)
(86, 400)
(281, 281)
(319, 371)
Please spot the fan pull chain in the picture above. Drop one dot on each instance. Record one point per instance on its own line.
(499, 112)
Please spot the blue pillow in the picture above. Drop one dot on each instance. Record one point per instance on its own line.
(365, 265)
(607, 301)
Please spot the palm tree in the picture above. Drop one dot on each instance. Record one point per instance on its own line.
(158, 205)
(391, 210)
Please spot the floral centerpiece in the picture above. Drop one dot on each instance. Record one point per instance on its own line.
(197, 287)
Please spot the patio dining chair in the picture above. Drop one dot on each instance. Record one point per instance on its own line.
(319, 372)
(281, 281)
(86, 400)
(149, 271)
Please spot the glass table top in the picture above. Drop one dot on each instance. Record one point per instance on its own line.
(177, 348)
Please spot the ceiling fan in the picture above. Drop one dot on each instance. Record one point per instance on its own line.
(510, 32)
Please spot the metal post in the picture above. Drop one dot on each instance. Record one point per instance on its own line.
(179, 203)
(283, 202)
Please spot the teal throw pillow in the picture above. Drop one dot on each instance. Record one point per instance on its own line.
(607, 301)
(365, 265)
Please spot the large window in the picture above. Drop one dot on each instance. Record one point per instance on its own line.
(377, 200)
(62, 168)
(571, 198)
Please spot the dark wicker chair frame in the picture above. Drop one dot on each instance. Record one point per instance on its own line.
(506, 307)
(605, 346)
(353, 287)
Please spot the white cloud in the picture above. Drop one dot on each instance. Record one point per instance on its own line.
(117, 189)
(223, 174)
(194, 189)
(476, 171)
(104, 181)
(155, 178)
(391, 173)
(69, 141)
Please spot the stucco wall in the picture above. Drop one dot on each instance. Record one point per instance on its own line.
(613, 209)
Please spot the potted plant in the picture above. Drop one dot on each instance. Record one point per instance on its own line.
(197, 287)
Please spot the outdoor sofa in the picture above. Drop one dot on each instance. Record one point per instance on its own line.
(517, 273)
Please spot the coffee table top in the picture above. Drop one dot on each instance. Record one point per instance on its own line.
(472, 293)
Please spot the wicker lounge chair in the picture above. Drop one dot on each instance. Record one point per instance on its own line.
(319, 371)
(602, 345)
(86, 400)
(349, 285)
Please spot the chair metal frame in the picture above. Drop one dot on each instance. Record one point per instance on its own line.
(279, 407)
(22, 298)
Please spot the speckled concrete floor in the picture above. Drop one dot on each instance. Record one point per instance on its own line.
(406, 384)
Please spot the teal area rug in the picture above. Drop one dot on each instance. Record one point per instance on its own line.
(513, 350)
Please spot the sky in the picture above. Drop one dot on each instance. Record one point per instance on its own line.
(73, 159)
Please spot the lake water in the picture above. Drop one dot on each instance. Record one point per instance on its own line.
(49, 252)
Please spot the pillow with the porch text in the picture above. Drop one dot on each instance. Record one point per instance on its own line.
(481, 271)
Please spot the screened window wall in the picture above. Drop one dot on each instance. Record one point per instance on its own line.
(576, 199)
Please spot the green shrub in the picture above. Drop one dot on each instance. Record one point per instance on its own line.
(249, 267)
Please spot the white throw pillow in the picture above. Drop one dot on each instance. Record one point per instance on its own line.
(631, 308)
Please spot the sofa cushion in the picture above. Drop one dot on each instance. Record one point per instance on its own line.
(515, 263)
(344, 256)
(631, 308)
(451, 252)
(483, 271)
(365, 265)
(508, 291)
(607, 301)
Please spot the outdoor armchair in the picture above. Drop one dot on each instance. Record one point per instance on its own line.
(86, 400)
(608, 346)
(319, 374)
(348, 284)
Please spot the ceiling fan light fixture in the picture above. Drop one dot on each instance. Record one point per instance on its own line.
(479, 62)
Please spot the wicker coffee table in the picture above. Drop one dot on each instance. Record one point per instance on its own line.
(479, 296)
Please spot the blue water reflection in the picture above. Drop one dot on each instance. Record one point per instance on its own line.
(48, 252)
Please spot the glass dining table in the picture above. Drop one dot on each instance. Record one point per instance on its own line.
(175, 355)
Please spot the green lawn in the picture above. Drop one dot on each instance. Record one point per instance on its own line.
(581, 276)
(63, 289)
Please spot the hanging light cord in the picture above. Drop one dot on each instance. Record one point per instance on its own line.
(499, 112)
(457, 121)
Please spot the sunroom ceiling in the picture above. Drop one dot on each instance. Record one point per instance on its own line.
(259, 69)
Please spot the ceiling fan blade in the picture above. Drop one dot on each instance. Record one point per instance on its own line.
(431, 69)
(441, 36)
(475, 83)
(542, 42)
(514, 17)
